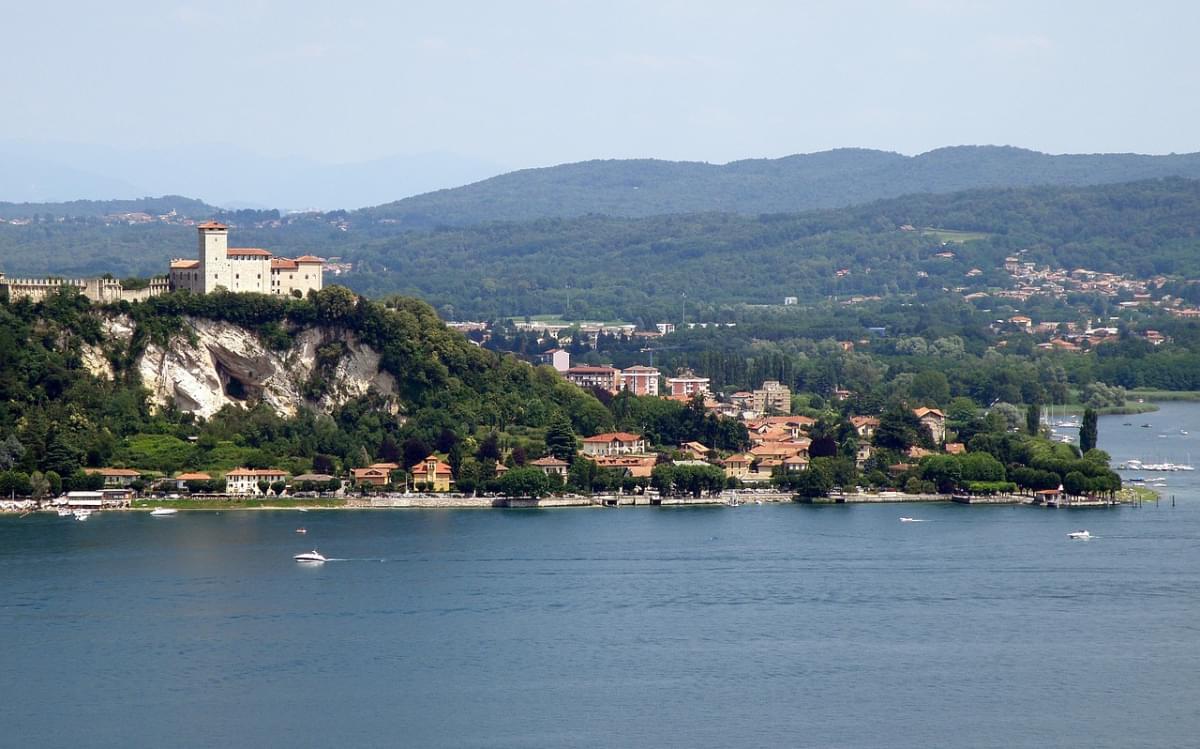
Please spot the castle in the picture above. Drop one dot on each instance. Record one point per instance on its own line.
(239, 269)
(242, 269)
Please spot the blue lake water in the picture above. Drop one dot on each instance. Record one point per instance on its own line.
(829, 626)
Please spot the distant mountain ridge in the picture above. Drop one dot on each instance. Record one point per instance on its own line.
(827, 179)
(185, 207)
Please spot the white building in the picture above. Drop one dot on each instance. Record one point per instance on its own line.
(243, 269)
(245, 480)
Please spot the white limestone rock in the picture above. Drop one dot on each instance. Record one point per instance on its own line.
(213, 364)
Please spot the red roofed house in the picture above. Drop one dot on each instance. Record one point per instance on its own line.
(243, 269)
(551, 466)
(376, 474)
(614, 443)
(433, 472)
(865, 425)
(738, 466)
(181, 480)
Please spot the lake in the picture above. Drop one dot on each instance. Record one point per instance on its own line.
(773, 625)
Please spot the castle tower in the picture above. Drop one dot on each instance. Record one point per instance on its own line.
(215, 269)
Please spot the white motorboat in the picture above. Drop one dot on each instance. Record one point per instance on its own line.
(314, 557)
(302, 530)
(159, 512)
(1079, 535)
(911, 520)
(82, 514)
(65, 512)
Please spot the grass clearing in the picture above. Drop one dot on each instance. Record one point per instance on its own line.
(954, 236)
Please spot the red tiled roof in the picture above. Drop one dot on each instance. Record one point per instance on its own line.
(193, 477)
(282, 263)
(113, 471)
(257, 252)
(309, 259)
(184, 264)
(549, 460)
(211, 225)
(613, 436)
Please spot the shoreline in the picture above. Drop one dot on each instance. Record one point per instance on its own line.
(1129, 495)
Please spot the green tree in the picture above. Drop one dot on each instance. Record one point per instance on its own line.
(560, 438)
(815, 481)
(524, 482)
(1033, 419)
(1088, 430)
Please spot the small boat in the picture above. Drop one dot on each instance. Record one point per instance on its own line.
(65, 512)
(82, 514)
(302, 509)
(162, 512)
(911, 520)
(1079, 535)
(302, 530)
(314, 557)
(1146, 426)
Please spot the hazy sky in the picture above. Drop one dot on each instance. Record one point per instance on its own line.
(535, 83)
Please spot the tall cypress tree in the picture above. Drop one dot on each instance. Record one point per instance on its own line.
(1088, 430)
(1033, 418)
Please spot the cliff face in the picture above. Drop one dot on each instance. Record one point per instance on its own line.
(214, 364)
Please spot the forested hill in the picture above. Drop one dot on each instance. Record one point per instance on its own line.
(829, 179)
(188, 207)
(617, 267)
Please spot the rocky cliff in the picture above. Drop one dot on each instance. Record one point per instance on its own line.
(214, 364)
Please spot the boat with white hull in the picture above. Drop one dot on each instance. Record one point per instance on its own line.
(310, 557)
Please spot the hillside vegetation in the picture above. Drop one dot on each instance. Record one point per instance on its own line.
(56, 416)
(623, 268)
(830, 179)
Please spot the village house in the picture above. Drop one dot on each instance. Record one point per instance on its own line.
(795, 463)
(694, 450)
(865, 426)
(737, 466)
(434, 473)
(633, 466)
(376, 474)
(115, 478)
(244, 481)
(242, 269)
(933, 420)
(551, 466)
(182, 480)
(614, 443)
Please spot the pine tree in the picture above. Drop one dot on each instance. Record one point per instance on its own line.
(1033, 418)
(560, 438)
